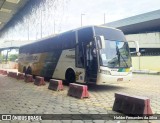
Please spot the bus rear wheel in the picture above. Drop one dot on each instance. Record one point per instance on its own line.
(70, 76)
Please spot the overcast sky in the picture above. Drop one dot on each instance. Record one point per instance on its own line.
(94, 11)
(67, 15)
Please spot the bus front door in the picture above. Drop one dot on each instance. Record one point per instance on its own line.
(91, 65)
(86, 58)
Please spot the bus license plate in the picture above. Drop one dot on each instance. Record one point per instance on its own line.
(119, 79)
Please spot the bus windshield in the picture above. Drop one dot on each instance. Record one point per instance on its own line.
(115, 54)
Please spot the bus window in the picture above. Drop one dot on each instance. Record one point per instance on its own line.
(79, 56)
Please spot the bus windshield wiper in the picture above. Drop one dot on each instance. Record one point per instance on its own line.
(118, 52)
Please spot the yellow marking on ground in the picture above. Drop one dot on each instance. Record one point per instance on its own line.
(97, 105)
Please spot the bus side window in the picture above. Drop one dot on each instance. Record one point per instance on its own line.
(79, 57)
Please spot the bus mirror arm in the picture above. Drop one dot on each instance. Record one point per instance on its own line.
(84, 60)
(137, 47)
(100, 41)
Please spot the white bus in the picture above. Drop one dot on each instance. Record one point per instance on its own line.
(92, 54)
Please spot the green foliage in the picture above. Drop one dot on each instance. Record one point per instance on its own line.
(12, 57)
(1, 58)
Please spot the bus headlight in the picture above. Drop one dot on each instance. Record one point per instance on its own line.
(105, 72)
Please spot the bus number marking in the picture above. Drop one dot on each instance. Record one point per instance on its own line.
(119, 79)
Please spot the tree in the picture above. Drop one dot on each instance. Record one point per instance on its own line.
(1, 58)
(13, 57)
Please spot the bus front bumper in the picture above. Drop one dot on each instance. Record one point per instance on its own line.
(103, 79)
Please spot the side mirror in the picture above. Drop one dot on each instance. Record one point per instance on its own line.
(100, 41)
(137, 47)
(138, 54)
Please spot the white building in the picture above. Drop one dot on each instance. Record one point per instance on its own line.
(145, 29)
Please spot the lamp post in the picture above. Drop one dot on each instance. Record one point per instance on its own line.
(41, 23)
(28, 29)
(81, 19)
(104, 18)
(54, 27)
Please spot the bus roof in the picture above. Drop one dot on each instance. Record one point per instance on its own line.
(73, 30)
(67, 40)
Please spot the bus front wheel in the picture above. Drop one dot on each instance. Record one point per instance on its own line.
(70, 76)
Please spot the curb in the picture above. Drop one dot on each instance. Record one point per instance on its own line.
(146, 72)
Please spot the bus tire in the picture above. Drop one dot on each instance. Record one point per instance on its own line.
(70, 76)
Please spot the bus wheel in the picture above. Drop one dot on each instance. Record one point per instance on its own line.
(70, 76)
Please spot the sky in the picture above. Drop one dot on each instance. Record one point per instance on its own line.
(94, 11)
(63, 15)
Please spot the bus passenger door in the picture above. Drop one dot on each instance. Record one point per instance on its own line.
(86, 59)
(91, 65)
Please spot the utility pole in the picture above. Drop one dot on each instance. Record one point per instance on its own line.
(81, 19)
(28, 29)
(54, 27)
(41, 23)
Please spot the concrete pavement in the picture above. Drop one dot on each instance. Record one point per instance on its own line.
(18, 97)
